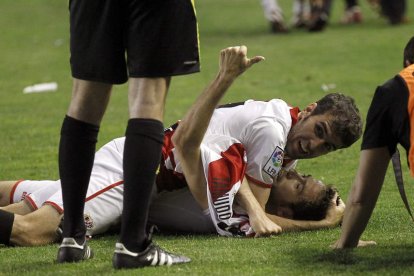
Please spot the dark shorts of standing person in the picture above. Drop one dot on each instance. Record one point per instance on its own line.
(112, 40)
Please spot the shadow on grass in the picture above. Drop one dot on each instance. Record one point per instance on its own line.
(375, 258)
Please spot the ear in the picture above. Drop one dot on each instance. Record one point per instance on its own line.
(284, 211)
(307, 111)
(311, 107)
(407, 63)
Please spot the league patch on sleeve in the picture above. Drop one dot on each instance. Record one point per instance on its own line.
(273, 165)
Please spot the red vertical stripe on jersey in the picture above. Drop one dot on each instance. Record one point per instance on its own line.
(168, 146)
(226, 171)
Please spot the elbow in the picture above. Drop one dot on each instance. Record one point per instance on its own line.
(178, 140)
(183, 144)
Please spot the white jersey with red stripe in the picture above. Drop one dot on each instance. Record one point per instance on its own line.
(262, 128)
(244, 139)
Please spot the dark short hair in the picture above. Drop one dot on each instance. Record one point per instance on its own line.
(409, 52)
(307, 210)
(347, 121)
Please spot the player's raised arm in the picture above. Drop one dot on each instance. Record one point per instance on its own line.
(191, 130)
(233, 62)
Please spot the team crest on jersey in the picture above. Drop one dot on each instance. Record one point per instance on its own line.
(88, 221)
(273, 165)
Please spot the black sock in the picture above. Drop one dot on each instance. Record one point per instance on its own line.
(351, 3)
(76, 154)
(142, 155)
(6, 225)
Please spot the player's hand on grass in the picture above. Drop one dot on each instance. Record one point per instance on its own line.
(361, 243)
(234, 61)
(263, 226)
(335, 212)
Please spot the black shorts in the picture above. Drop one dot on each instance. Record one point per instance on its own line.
(112, 40)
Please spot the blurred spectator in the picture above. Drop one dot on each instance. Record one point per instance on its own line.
(393, 10)
(352, 13)
(273, 13)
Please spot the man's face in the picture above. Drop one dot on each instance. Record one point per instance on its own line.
(292, 187)
(311, 137)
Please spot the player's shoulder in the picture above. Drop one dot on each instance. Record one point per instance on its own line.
(393, 89)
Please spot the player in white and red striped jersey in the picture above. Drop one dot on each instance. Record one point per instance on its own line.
(175, 211)
(252, 140)
(255, 140)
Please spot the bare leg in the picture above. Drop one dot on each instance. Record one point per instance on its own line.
(142, 154)
(19, 208)
(77, 149)
(36, 228)
(5, 190)
(89, 101)
(146, 97)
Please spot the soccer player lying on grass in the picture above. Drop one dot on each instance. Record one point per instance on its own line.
(216, 149)
(252, 140)
(294, 196)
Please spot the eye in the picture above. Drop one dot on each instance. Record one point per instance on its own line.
(319, 131)
(299, 186)
(329, 147)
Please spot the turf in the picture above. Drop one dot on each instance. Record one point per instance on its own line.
(356, 59)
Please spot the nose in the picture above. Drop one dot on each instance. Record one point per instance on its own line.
(317, 144)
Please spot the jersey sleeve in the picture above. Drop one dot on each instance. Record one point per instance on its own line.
(386, 116)
(265, 140)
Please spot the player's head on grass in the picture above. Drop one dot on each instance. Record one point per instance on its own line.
(331, 123)
(301, 197)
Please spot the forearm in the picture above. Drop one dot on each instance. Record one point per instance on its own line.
(360, 204)
(289, 225)
(248, 201)
(190, 133)
(355, 221)
(254, 208)
(194, 125)
(364, 194)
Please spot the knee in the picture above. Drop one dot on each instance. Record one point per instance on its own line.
(177, 140)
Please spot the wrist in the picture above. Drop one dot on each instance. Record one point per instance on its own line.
(224, 77)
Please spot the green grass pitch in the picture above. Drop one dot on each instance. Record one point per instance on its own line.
(34, 49)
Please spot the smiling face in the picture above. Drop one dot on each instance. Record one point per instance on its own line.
(311, 136)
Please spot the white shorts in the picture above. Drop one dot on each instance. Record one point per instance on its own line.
(172, 211)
